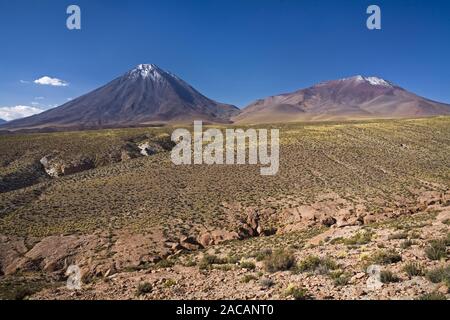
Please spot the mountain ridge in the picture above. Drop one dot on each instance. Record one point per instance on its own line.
(356, 97)
(147, 95)
(144, 95)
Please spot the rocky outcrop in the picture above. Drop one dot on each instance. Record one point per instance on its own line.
(149, 145)
(190, 243)
(96, 255)
(216, 237)
(23, 177)
(11, 252)
(56, 167)
(55, 164)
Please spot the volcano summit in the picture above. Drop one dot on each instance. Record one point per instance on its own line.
(143, 96)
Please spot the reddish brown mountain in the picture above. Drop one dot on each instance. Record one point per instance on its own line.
(350, 98)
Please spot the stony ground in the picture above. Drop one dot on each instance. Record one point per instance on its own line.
(348, 197)
(344, 254)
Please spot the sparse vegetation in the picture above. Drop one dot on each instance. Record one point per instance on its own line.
(144, 288)
(360, 238)
(339, 277)
(399, 235)
(165, 264)
(406, 244)
(440, 274)
(262, 254)
(385, 257)
(247, 265)
(248, 277)
(280, 260)
(266, 283)
(386, 276)
(413, 269)
(433, 296)
(149, 196)
(170, 283)
(317, 264)
(208, 260)
(436, 250)
(297, 293)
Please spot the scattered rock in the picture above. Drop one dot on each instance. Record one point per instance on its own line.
(216, 237)
(56, 167)
(329, 221)
(190, 243)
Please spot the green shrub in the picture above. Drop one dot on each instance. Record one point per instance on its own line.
(386, 257)
(438, 275)
(359, 238)
(165, 264)
(297, 293)
(247, 278)
(224, 267)
(170, 283)
(266, 283)
(436, 250)
(209, 259)
(397, 236)
(432, 296)
(262, 254)
(387, 276)
(406, 244)
(232, 259)
(144, 288)
(316, 264)
(279, 260)
(247, 265)
(337, 240)
(339, 277)
(413, 269)
(190, 263)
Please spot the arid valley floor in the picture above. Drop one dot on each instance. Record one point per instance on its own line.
(347, 195)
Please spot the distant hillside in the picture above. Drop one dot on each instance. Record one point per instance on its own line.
(350, 98)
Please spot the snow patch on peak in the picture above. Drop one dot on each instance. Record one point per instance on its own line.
(146, 71)
(375, 81)
(355, 78)
(378, 81)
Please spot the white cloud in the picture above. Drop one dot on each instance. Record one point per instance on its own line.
(17, 112)
(39, 98)
(24, 81)
(47, 81)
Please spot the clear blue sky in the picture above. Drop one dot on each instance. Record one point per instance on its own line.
(231, 51)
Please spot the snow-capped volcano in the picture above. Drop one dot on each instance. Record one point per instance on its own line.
(143, 95)
(348, 98)
(151, 71)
